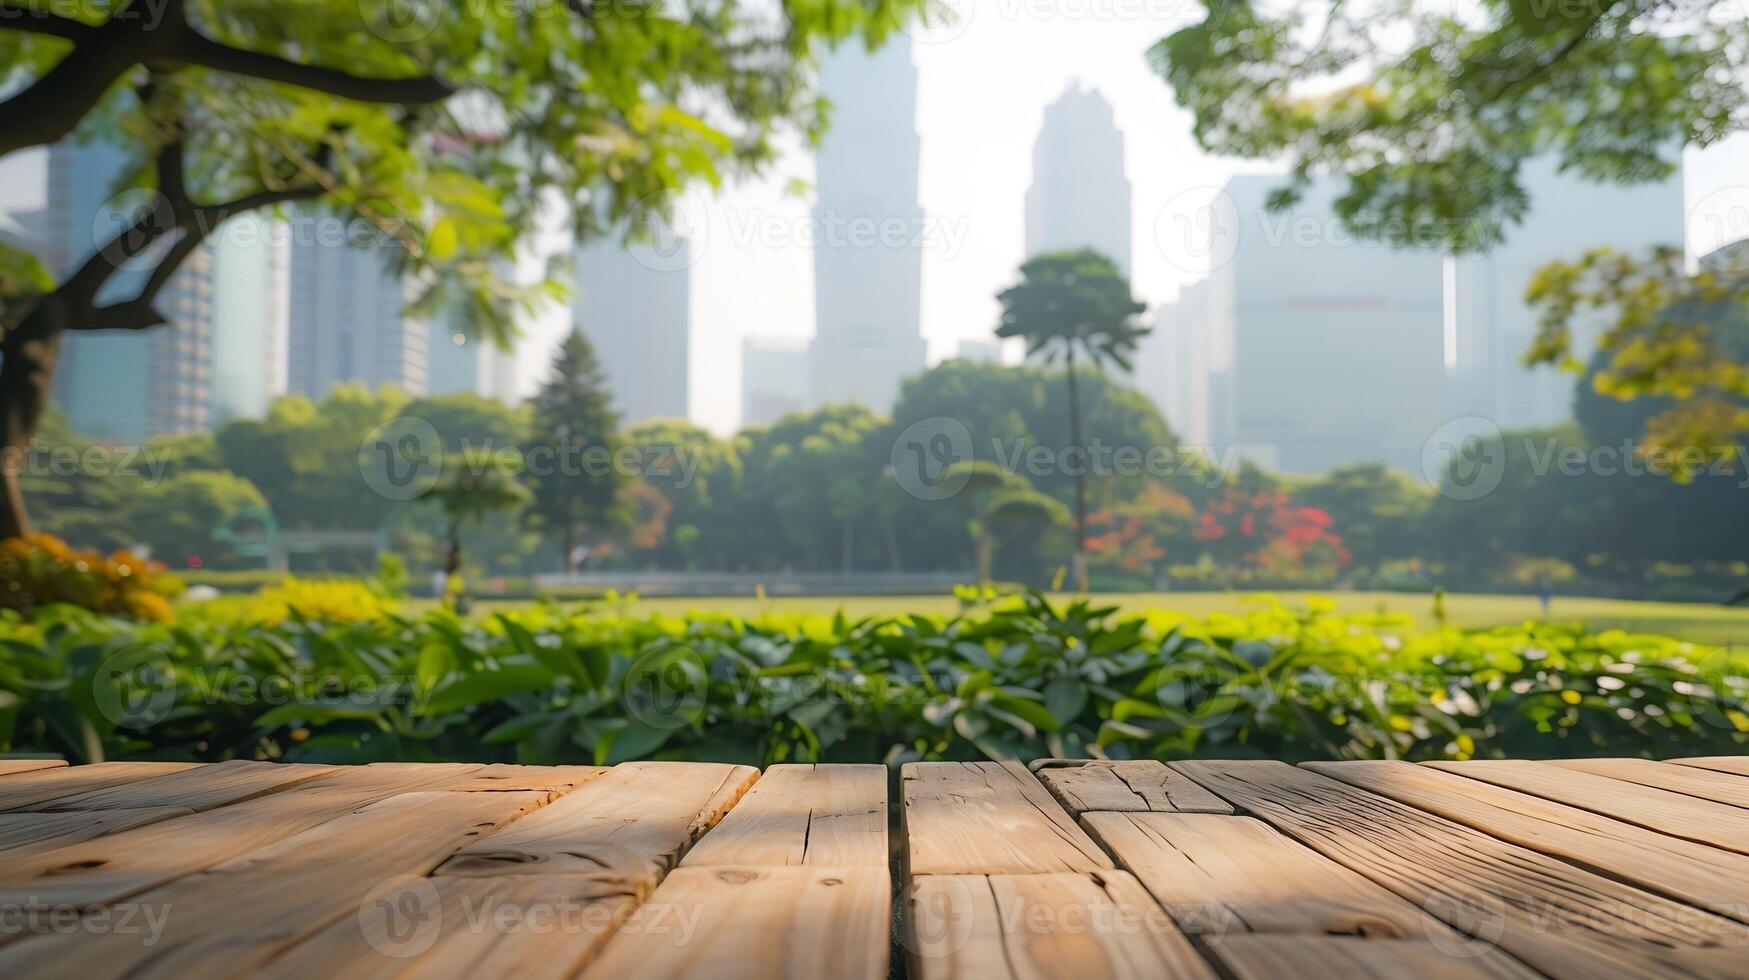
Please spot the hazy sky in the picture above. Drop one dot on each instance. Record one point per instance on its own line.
(983, 84)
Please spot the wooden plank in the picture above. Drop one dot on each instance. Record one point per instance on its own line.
(1088, 785)
(1709, 877)
(110, 868)
(800, 814)
(1655, 809)
(202, 788)
(1037, 927)
(28, 791)
(23, 834)
(989, 818)
(12, 767)
(1218, 876)
(1559, 919)
(230, 919)
(760, 923)
(1270, 957)
(630, 825)
(1688, 780)
(532, 927)
(1736, 765)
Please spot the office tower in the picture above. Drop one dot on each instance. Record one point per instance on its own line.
(1080, 197)
(1173, 363)
(1491, 326)
(634, 304)
(125, 386)
(461, 361)
(347, 309)
(774, 379)
(249, 316)
(868, 255)
(1337, 344)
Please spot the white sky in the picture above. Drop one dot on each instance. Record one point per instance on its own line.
(983, 85)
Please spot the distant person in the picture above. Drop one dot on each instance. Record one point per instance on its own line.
(1545, 594)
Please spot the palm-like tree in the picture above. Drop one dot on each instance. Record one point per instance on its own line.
(1074, 306)
(474, 484)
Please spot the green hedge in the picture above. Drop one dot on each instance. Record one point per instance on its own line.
(1019, 678)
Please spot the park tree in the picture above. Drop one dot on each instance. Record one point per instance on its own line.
(175, 519)
(1074, 307)
(575, 482)
(473, 484)
(1430, 113)
(448, 129)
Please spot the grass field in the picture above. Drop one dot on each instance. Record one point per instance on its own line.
(1717, 625)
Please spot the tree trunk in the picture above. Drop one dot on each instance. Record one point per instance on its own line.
(1080, 556)
(986, 551)
(27, 370)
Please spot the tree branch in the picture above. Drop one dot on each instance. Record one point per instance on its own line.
(198, 49)
(14, 17)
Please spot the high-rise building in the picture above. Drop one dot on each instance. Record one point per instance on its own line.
(461, 361)
(774, 379)
(1173, 364)
(868, 242)
(634, 304)
(1080, 196)
(1337, 343)
(348, 317)
(125, 386)
(980, 351)
(1491, 326)
(249, 316)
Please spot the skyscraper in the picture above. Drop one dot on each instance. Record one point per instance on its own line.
(1336, 342)
(463, 362)
(1491, 326)
(774, 379)
(125, 386)
(634, 304)
(249, 317)
(1080, 196)
(868, 251)
(348, 312)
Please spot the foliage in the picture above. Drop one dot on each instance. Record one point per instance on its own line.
(1432, 113)
(176, 518)
(1021, 677)
(41, 571)
(572, 418)
(335, 601)
(1074, 306)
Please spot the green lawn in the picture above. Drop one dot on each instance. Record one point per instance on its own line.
(1716, 625)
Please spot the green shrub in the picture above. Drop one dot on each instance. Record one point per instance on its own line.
(1019, 677)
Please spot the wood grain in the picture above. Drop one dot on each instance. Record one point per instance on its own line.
(989, 818)
(232, 918)
(113, 867)
(1688, 780)
(23, 834)
(1271, 957)
(1089, 785)
(1709, 877)
(800, 814)
(28, 791)
(12, 767)
(1033, 927)
(630, 825)
(800, 923)
(532, 927)
(1655, 809)
(1557, 918)
(1736, 765)
(201, 788)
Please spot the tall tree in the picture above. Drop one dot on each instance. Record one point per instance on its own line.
(1431, 111)
(1074, 306)
(572, 446)
(448, 127)
(474, 484)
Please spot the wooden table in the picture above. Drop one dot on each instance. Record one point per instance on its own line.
(1072, 869)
